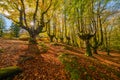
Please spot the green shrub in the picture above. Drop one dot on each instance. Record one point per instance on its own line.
(44, 48)
(7, 36)
(32, 41)
(1, 50)
(41, 43)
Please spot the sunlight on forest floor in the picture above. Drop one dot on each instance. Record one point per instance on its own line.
(47, 65)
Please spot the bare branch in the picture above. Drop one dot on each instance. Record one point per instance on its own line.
(23, 5)
(48, 7)
(35, 13)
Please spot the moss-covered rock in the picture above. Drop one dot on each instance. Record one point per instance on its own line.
(9, 72)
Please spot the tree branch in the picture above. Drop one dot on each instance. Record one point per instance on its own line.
(48, 7)
(23, 5)
(35, 13)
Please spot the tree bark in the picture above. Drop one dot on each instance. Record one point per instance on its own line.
(95, 51)
(88, 48)
(51, 38)
(95, 47)
(32, 39)
(33, 47)
(61, 39)
(68, 40)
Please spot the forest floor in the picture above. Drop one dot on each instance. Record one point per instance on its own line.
(47, 66)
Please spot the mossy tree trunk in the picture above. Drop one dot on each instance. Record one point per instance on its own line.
(88, 48)
(95, 50)
(86, 38)
(51, 31)
(68, 40)
(32, 39)
(95, 46)
(33, 47)
(61, 39)
(51, 37)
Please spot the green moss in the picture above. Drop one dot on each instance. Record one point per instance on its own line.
(91, 67)
(44, 47)
(9, 71)
(68, 47)
(71, 65)
(55, 44)
(88, 51)
(88, 77)
(117, 73)
(1, 50)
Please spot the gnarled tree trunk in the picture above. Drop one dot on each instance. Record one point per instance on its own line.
(86, 38)
(32, 39)
(88, 48)
(33, 47)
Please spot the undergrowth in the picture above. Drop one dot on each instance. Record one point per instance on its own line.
(44, 48)
(68, 47)
(55, 44)
(71, 65)
(1, 50)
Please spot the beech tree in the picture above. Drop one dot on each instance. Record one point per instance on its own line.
(51, 31)
(28, 14)
(86, 29)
